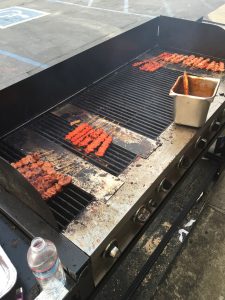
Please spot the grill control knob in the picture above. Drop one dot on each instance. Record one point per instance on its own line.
(142, 215)
(165, 185)
(115, 252)
(112, 250)
(184, 162)
(215, 126)
(201, 143)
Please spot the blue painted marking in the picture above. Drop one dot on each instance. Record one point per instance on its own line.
(15, 15)
(24, 59)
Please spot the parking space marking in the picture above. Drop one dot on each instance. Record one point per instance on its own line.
(90, 2)
(102, 9)
(14, 15)
(126, 6)
(23, 59)
(168, 9)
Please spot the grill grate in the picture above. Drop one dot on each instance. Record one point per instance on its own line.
(67, 204)
(55, 128)
(137, 100)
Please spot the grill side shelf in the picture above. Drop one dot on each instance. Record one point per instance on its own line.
(67, 204)
(54, 128)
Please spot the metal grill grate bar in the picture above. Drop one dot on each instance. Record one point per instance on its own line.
(67, 204)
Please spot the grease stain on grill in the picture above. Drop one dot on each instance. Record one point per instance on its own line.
(67, 204)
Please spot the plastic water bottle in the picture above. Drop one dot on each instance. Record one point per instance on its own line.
(46, 266)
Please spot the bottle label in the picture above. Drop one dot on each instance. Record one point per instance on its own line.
(43, 275)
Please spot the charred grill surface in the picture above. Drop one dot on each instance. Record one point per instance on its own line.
(67, 204)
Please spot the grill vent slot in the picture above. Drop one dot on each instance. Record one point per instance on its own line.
(66, 205)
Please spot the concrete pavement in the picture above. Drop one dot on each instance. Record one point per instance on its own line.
(198, 273)
(74, 25)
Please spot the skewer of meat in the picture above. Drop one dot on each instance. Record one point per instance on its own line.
(93, 145)
(203, 64)
(168, 58)
(188, 59)
(76, 131)
(175, 58)
(42, 175)
(160, 57)
(211, 66)
(179, 59)
(79, 137)
(89, 134)
(221, 66)
(104, 146)
(196, 61)
(185, 83)
(151, 66)
(96, 133)
(139, 63)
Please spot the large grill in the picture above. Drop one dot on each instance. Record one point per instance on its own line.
(129, 186)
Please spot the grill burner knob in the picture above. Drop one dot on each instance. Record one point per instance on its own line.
(215, 126)
(142, 215)
(165, 185)
(201, 143)
(184, 162)
(112, 250)
(115, 252)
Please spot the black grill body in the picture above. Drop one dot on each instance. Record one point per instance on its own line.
(100, 80)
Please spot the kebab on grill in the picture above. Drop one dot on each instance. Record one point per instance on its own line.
(80, 136)
(104, 146)
(42, 175)
(76, 131)
(93, 135)
(90, 139)
(191, 61)
(96, 143)
(185, 84)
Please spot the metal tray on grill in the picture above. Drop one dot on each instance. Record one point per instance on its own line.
(192, 109)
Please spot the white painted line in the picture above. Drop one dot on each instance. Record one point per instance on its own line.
(41, 14)
(90, 2)
(102, 9)
(182, 233)
(126, 6)
(190, 223)
(168, 9)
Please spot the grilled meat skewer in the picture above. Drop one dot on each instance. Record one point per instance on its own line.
(104, 146)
